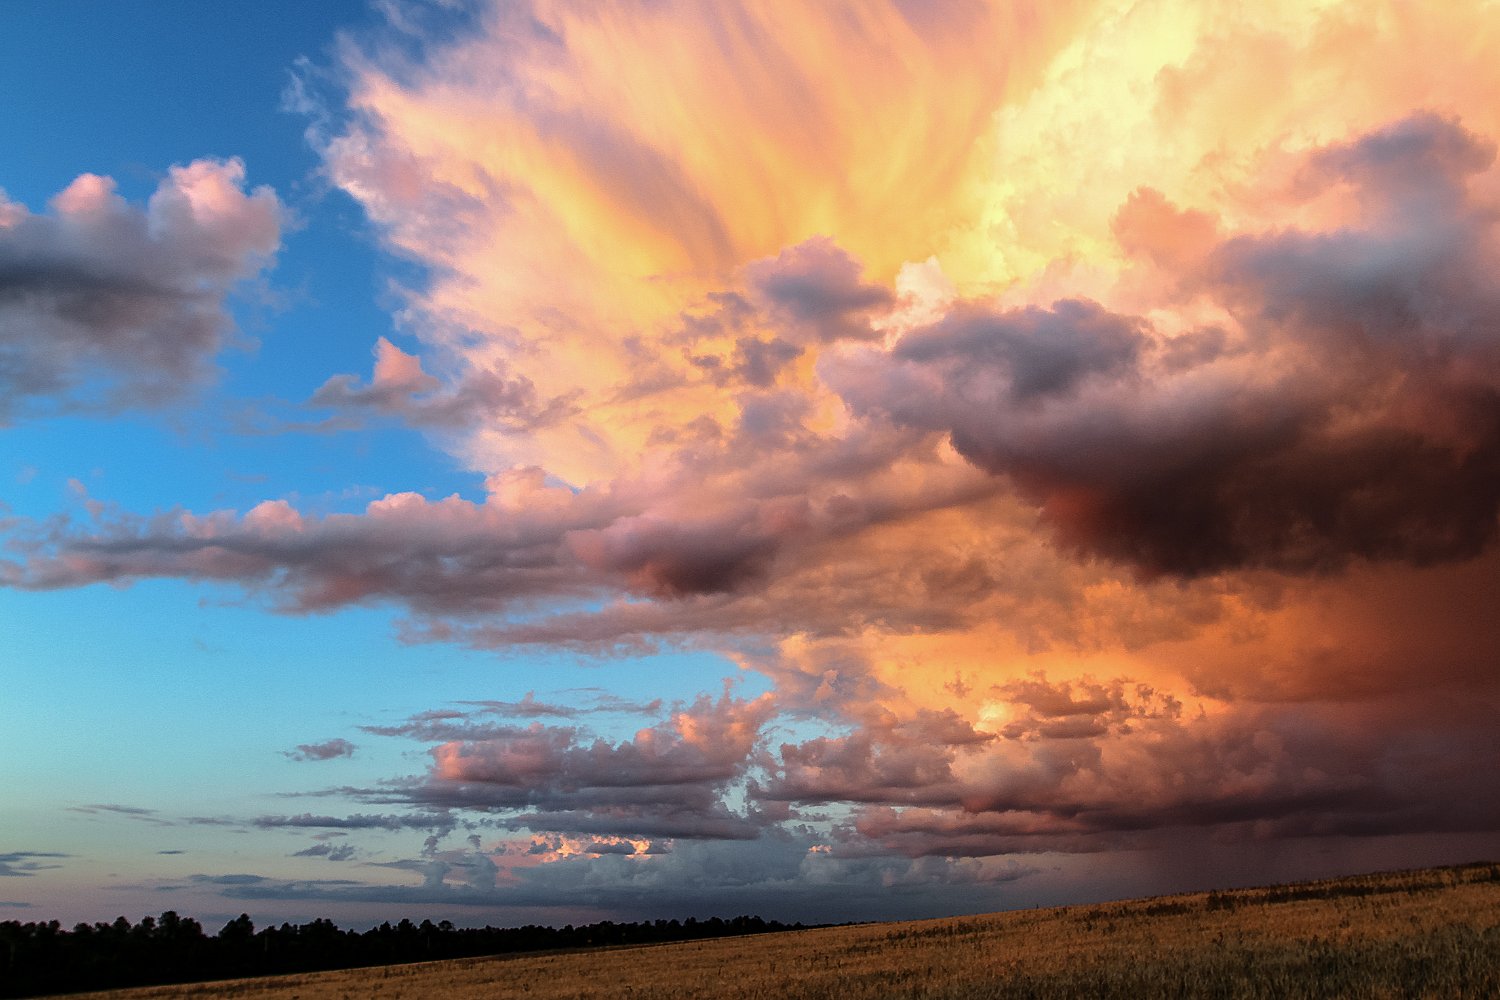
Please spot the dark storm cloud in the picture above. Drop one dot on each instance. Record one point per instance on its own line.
(1356, 414)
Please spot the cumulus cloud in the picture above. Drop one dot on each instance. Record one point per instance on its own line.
(105, 303)
(669, 780)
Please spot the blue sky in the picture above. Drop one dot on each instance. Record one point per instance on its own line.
(537, 462)
(165, 695)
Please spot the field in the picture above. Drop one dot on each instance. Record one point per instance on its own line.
(1431, 933)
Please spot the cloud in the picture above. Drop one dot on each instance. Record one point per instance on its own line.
(105, 303)
(450, 725)
(669, 780)
(530, 707)
(815, 289)
(399, 387)
(443, 554)
(775, 877)
(885, 760)
(242, 879)
(332, 852)
(357, 821)
(1130, 772)
(25, 864)
(1349, 412)
(327, 750)
(130, 812)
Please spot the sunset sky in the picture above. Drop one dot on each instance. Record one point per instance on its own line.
(547, 462)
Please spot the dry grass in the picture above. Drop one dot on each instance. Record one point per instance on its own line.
(1432, 933)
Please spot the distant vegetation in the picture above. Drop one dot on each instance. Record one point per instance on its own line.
(42, 958)
(1432, 933)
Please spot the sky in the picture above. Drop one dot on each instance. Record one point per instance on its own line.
(543, 462)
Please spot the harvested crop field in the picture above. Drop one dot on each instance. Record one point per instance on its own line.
(1430, 933)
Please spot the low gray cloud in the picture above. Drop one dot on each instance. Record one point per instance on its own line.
(327, 750)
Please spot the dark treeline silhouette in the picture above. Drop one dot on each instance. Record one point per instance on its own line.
(41, 958)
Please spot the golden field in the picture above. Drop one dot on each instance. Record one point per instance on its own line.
(1430, 933)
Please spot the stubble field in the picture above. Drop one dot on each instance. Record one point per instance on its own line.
(1430, 933)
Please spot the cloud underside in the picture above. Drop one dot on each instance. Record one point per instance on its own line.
(1080, 516)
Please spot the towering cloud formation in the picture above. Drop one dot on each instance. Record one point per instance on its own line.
(1094, 447)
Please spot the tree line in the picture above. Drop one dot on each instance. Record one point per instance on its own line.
(41, 958)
